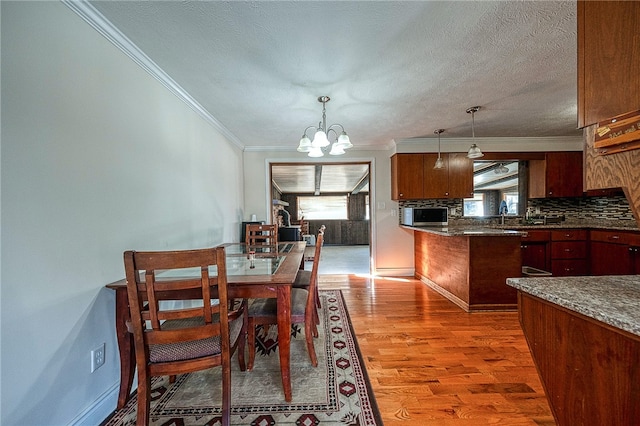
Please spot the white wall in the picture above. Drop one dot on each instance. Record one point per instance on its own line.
(97, 157)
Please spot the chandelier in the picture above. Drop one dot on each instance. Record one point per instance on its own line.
(474, 151)
(320, 142)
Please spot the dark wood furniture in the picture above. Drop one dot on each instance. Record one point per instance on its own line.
(413, 176)
(588, 368)
(535, 249)
(615, 252)
(272, 276)
(608, 57)
(303, 309)
(608, 52)
(558, 175)
(469, 270)
(182, 340)
(569, 252)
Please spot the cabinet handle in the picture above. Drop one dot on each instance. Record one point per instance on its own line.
(615, 237)
(567, 235)
(567, 250)
(446, 193)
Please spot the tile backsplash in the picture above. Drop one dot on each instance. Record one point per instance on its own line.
(579, 208)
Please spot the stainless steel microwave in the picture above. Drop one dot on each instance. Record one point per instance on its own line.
(425, 216)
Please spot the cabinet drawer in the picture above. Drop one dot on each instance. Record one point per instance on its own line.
(616, 237)
(569, 235)
(542, 236)
(568, 250)
(569, 267)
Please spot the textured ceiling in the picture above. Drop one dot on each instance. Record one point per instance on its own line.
(394, 70)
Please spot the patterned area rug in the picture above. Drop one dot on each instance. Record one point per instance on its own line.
(337, 392)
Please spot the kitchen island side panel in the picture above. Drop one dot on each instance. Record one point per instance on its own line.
(470, 270)
(444, 260)
(493, 260)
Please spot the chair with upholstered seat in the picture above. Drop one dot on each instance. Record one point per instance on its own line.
(183, 323)
(303, 310)
(258, 235)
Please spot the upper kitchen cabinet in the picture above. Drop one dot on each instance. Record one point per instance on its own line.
(407, 176)
(413, 176)
(558, 175)
(608, 58)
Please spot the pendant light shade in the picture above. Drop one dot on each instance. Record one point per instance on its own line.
(474, 151)
(439, 162)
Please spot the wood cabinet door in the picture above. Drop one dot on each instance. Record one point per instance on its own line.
(436, 181)
(534, 255)
(564, 174)
(460, 176)
(608, 57)
(407, 177)
(610, 259)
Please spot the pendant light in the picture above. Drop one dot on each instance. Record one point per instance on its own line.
(474, 151)
(439, 163)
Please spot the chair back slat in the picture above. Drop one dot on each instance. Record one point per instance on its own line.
(261, 235)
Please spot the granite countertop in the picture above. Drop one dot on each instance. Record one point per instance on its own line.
(471, 230)
(613, 300)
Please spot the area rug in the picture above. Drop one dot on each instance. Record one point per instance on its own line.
(337, 392)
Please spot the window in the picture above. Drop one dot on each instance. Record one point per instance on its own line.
(323, 207)
(474, 206)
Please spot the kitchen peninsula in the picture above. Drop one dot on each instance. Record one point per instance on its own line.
(469, 265)
(584, 337)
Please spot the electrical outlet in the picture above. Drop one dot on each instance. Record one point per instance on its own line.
(97, 358)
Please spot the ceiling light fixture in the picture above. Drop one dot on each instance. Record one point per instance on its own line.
(317, 146)
(501, 169)
(474, 151)
(439, 163)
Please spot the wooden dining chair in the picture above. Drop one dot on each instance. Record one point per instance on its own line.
(303, 310)
(303, 278)
(175, 338)
(261, 235)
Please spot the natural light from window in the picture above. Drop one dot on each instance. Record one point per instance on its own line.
(323, 207)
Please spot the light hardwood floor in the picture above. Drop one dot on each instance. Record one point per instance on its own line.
(430, 363)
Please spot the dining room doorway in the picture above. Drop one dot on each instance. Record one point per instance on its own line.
(333, 195)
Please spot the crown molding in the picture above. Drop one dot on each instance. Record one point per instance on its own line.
(94, 18)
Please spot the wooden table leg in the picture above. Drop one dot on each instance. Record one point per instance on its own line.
(284, 337)
(125, 347)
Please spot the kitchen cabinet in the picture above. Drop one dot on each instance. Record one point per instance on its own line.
(558, 175)
(407, 177)
(615, 252)
(413, 176)
(569, 252)
(535, 249)
(608, 58)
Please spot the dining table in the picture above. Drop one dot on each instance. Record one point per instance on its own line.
(252, 272)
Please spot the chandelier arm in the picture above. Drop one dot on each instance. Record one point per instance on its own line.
(310, 127)
(333, 125)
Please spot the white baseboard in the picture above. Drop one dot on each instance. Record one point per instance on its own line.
(102, 408)
(395, 272)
